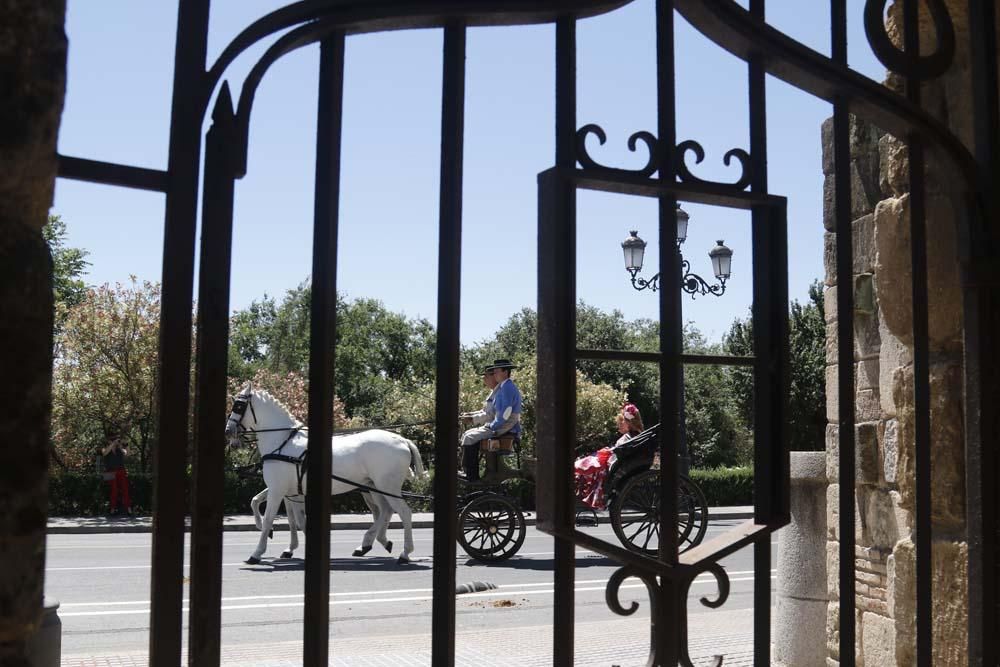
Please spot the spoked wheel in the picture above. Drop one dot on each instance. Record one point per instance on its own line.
(491, 528)
(635, 513)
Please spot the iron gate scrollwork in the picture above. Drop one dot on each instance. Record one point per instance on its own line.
(665, 177)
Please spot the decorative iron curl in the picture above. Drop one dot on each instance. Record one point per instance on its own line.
(694, 284)
(914, 66)
(589, 163)
(686, 176)
(722, 580)
(611, 597)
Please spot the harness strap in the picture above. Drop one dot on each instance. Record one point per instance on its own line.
(300, 473)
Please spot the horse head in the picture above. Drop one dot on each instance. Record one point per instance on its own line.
(242, 406)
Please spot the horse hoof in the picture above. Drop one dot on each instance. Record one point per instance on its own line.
(403, 560)
(388, 546)
(253, 560)
(361, 551)
(286, 554)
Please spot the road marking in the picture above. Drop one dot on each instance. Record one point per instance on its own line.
(503, 591)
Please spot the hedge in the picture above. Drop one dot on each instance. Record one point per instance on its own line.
(724, 487)
(75, 494)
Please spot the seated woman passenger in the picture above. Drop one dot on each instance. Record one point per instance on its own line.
(590, 471)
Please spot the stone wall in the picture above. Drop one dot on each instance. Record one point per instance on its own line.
(884, 563)
(32, 83)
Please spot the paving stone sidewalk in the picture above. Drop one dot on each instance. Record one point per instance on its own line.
(619, 642)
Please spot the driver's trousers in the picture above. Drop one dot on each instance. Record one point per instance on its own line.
(470, 450)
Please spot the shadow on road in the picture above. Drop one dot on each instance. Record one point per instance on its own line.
(544, 564)
(376, 564)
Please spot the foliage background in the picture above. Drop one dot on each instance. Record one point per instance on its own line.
(105, 378)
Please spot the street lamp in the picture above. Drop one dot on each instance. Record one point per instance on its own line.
(634, 249)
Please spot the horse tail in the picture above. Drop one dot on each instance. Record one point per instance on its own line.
(418, 465)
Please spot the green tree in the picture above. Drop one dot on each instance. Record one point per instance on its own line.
(106, 373)
(807, 357)
(375, 348)
(68, 265)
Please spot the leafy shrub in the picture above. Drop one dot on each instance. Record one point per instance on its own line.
(725, 486)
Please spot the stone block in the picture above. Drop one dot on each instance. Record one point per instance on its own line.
(892, 266)
(878, 635)
(878, 517)
(892, 355)
(830, 303)
(946, 442)
(826, 138)
(894, 169)
(829, 217)
(832, 452)
(904, 521)
(798, 631)
(866, 453)
(833, 629)
(833, 570)
(833, 512)
(890, 450)
(867, 407)
(829, 259)
(902, 595)
(866, 374)
(893, 271)
(950, 603)
(867, 340)
(863, 240)
(832, 396)
(831, 342)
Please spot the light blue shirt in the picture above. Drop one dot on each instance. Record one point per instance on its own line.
(507, 403)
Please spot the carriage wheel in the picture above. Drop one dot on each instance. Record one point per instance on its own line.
(635, 513)
(491, 528)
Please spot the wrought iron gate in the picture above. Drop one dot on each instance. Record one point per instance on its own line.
(665, 178)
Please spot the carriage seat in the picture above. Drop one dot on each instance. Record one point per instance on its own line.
(504, 445)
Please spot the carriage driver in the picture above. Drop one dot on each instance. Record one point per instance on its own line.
(506, 418)
(486, 414)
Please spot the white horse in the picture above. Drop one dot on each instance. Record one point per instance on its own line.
(295, 510)
(378, 459)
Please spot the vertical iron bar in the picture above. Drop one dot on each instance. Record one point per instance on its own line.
(921, 361)
(982, 378)
(765, 446)
(322, 331)
(449, 317)
(845, 344)
(560, 280)
(208, 466)
(170, 456)
(668, 611)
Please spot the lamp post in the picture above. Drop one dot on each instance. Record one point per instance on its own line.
(634, 249)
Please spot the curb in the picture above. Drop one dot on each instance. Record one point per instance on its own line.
(351, 522)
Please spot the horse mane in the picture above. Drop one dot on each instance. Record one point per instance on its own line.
(265, 394)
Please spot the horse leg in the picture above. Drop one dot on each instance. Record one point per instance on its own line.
(380, 518)
(268, 521)
(293, 540)
(376, 509)
(255, 506)
(403, 510)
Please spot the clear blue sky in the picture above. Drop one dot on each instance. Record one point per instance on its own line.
(117, 109)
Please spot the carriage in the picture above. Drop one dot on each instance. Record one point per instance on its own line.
(492, 527)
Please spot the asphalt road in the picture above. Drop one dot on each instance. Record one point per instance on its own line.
(102, 583)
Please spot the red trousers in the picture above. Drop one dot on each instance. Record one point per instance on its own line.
(120, 481)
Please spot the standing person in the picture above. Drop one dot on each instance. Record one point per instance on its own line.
(506, 418)
(485, 415)
(629, 423)
(114, 462)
